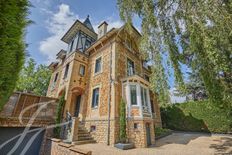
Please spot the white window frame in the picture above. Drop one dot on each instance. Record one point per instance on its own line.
(99, 96)
(96, 73)
(81, 65)
(128, 58)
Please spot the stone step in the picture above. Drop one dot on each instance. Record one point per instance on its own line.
(79, 142)
(83, 134)
(85, 138)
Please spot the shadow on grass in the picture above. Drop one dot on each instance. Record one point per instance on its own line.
(224, 146)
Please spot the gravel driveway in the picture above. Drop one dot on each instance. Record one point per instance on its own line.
(179, 143)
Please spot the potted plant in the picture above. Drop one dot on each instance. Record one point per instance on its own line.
(123, 142)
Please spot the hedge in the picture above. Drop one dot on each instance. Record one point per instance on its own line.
(197, 116)
(13, 21)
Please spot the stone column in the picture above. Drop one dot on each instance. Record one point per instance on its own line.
(139, 99)
(74, 130)
(128, 99)
(149, 101)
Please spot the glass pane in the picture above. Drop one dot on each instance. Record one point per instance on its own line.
(95, 97)
(130, 67)
(98, 65)
(82, 70)
(145, 97)
(133, 94)
(142, 95)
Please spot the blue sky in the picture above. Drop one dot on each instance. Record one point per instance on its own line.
(52, 18)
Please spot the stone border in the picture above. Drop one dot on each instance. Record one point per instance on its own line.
(60, 148)
(164, 135)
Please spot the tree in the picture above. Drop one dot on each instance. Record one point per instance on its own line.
(195, 33)
(194, 87)
(122, 122)
(59, 111)
(12, 46)
(34, 80)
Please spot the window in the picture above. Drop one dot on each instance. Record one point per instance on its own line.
(136, 125)
(56, 77)
(130, 67)
(152, 107)
(66, 71)
(71, 46)
(144, 96)
(95, 98)
(146, 77)
(133, 95)
(92, 128)
(82, 70)
(87, 44)
(128, 43)
(98, 65)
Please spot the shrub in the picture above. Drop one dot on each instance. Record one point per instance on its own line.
(161, 131)
(197, 116)
(122, 122)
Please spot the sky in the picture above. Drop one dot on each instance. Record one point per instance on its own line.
(52, 18)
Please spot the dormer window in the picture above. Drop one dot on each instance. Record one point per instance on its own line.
(128, 43)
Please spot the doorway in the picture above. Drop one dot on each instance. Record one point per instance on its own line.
(78, 105)
(148, 134)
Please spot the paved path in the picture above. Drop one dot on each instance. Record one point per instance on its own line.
(182, 143)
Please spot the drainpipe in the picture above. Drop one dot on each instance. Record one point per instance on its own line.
(109, 99)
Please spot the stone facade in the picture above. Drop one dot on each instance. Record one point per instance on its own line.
(112, 81)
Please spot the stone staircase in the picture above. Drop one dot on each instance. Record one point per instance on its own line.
(84, 136)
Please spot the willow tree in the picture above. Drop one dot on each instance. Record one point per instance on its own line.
(193, 33)
(12, 46)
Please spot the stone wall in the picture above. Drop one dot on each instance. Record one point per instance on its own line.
(60, 148)
(101, 132)
(138, 135)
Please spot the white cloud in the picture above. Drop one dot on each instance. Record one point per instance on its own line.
(111, 24)
(175, 98)
(57, 24)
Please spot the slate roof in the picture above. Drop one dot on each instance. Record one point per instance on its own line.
(88, 24)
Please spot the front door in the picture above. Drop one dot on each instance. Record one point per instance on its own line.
(148, 134)
(77, 108)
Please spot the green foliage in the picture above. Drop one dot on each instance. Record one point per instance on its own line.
(32, 79)
(197, 116)
(194, 87)
(193, 33)
(161, 131)
(59, 110)
(12, 46)
(122, 122)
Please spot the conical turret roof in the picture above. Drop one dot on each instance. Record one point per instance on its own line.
(88, 24)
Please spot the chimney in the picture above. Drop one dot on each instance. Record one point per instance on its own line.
(102, 29)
